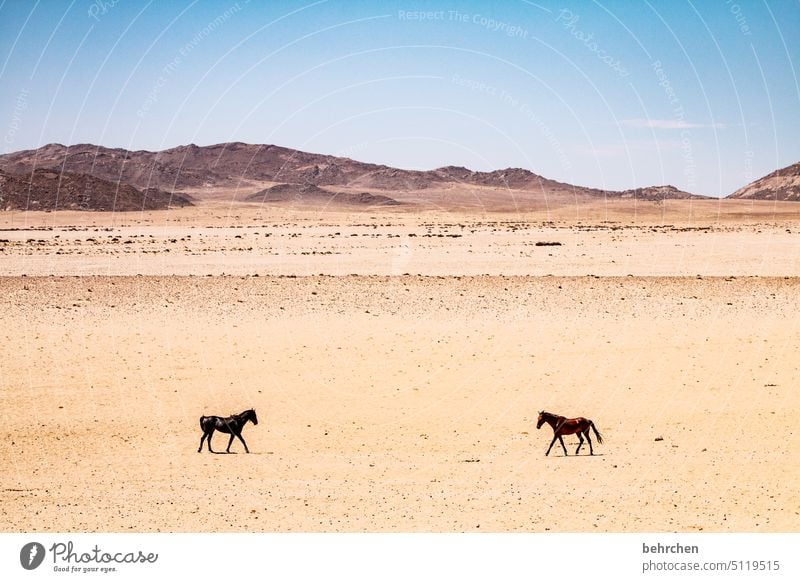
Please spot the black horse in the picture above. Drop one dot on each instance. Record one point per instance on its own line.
(231, 425)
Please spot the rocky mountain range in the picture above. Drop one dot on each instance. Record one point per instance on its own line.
(269, 173)
(230, 164)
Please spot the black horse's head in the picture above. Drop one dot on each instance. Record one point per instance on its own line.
(251, 415)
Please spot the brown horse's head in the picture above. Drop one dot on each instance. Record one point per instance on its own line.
(540, 422)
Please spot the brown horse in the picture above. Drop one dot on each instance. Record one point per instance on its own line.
(562, 425)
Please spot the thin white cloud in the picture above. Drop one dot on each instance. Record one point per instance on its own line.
(668, 124)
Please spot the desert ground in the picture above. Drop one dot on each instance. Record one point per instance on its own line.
(397, 361)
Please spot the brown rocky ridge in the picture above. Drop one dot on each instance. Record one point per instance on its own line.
(47, 189)
(783, 184)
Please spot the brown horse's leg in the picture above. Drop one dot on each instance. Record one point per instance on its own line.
(228, 450)
(563, 446)
(588, 438)
(551, 444)
(580, 444)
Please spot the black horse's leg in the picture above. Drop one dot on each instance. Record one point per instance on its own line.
(588, 438)
(580, 437)
(228, 450)
(239, 435)
(563, 446)
(211, 432)
(202, 438)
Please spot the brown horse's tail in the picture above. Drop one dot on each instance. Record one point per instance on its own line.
(596, 432)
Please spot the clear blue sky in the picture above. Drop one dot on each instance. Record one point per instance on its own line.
(702, 95)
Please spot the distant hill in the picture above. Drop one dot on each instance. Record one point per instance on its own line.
(783, 184)
(311, 193)
(241, 166)
(667, 192)
(45, 189)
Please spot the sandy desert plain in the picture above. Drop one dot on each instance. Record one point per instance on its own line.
(397, 362)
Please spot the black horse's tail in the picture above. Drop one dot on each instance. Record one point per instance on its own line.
(596, 432)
